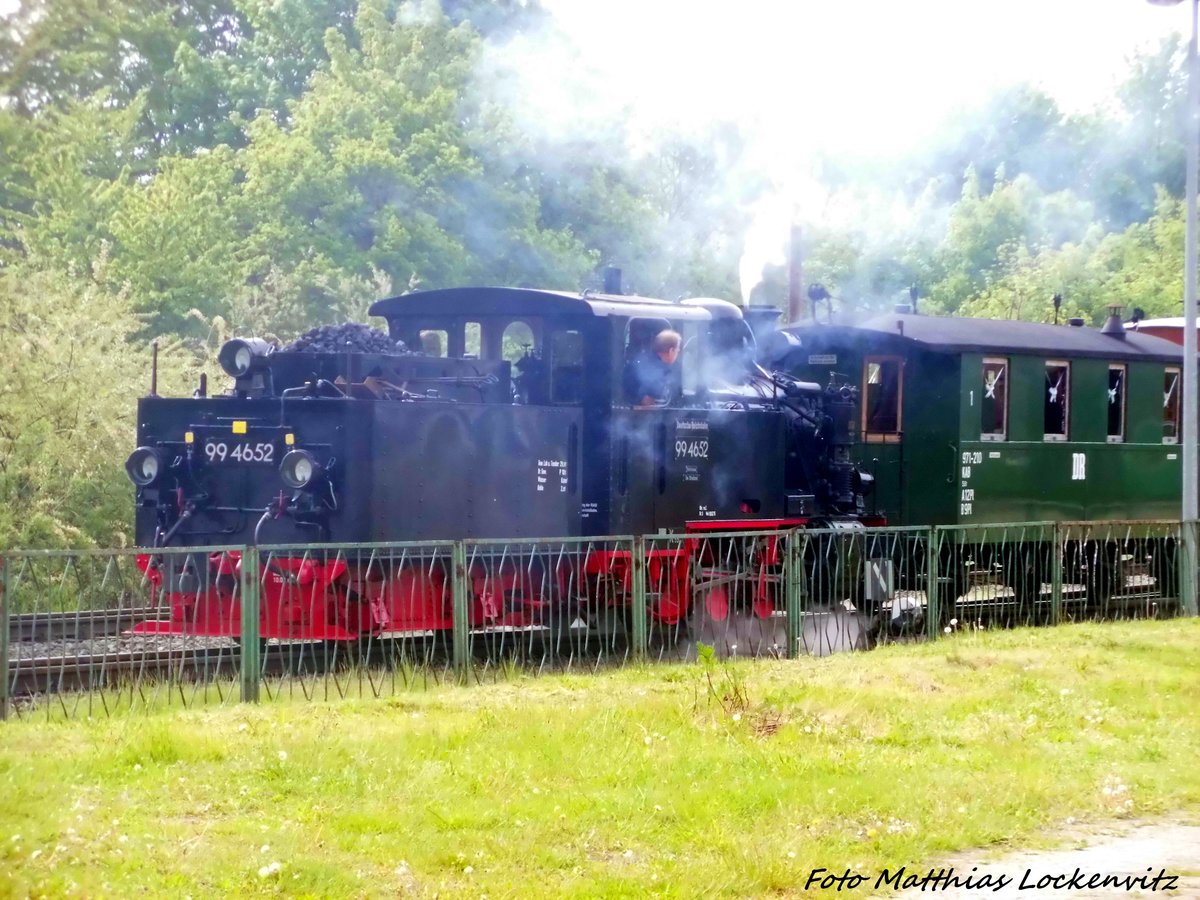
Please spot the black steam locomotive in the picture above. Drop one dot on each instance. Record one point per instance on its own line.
(494, 413)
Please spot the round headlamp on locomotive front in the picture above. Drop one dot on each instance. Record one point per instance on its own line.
(145, 466)
(300, 470)
(241, 356)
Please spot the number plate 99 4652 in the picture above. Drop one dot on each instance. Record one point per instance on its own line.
(244, 452)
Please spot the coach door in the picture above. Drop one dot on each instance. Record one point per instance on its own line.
(881, 427)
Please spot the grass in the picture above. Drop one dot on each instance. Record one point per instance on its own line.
(672, 780)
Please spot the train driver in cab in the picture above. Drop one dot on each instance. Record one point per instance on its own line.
(652, 377)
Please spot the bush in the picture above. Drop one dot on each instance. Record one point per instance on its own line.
(76, 359)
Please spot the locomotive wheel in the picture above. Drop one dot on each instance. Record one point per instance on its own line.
(716, 604)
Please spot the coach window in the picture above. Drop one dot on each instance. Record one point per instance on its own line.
(1116, 403)
(993, 401)
(1056, 401)
(883, 388)
(1171, 386)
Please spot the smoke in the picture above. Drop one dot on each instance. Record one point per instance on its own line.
(822, 97)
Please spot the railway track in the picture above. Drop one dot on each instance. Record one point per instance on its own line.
(50, 653)
(78, 625)
(58, 674)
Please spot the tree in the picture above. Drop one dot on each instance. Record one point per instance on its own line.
(67, 404)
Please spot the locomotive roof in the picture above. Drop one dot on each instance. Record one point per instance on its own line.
(477, 301)
(949, 334)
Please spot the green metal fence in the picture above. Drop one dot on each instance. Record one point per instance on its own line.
(91, 632)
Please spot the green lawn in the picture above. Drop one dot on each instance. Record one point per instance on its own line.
(643, 780)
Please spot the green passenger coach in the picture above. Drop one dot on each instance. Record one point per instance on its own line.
(974, 421)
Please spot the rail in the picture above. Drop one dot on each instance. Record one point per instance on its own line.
(89, 632)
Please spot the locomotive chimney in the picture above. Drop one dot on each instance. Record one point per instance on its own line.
(612, 280)
(1113, 326)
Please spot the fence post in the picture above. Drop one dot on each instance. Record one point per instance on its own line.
(1056, 573)
(460, 621)
(1187, 574)
(4, 625)
(794, 589)
(638, 599)
(251, 662)
(932, 596)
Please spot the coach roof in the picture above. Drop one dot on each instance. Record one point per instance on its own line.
(949, 334)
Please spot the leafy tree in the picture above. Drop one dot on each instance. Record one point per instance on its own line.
(343, 189)
(73, 174)
(66, 410)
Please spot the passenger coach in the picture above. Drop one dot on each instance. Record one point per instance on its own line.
(972, 421)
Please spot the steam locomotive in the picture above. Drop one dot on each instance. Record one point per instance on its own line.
(495, 413)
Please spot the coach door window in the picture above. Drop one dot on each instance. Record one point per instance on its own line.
(883, 387)
(1056, 401)
(1171, 387)
(1116, 403)
(993, 401)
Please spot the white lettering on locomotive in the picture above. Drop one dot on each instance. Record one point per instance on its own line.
(220, 451)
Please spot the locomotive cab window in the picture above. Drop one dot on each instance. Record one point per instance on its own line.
(1056, 401)
(993, 401)
(566, 367)
(1171, 388)
(1116, 403)
(435, 342)
(473, 340)
(883, 392)
(517, 341)
(647, 373)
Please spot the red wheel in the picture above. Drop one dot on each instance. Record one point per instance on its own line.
(716, 604)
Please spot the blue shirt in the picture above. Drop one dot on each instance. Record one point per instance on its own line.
(647, 375)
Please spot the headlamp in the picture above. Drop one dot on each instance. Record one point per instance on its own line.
(145, 466)
(299, 470)
(241, 356)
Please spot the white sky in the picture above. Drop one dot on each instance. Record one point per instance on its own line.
(853, 74)
(871, 77)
